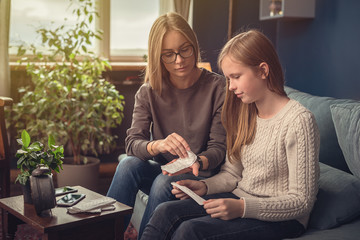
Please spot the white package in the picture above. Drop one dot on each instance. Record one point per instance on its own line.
(190, 193)
(181, 163)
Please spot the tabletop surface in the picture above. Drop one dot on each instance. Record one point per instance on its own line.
(58, 218)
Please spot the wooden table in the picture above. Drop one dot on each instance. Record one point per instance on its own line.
(58, 224)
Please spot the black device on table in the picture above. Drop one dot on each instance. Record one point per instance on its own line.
(70, 199)
(64, 190)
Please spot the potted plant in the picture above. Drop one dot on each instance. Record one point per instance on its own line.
(31, 155)
(68, 97)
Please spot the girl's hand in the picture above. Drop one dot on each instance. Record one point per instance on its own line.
(174, 144)
(196, 186)
(224, 208)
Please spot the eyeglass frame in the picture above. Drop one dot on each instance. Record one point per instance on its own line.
(178, 53)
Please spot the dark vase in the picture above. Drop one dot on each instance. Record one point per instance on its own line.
(26, 189)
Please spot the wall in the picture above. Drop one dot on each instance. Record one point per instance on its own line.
(210, 24)
(128, 89)
(319, 56)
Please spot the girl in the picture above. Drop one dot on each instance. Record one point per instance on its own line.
(268, 184)
(177, 109)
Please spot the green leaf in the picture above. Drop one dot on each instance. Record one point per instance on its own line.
(51, 141)
(34, 156)
(20, 161)
(21, 51)
(21, 151)
(25, 137)
(36, 146)
(61, 149)
(20, 142)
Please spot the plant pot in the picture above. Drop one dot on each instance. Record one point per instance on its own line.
(26, 190)
(42, 192)
(85, 175)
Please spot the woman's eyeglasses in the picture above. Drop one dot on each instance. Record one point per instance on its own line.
(185, 52)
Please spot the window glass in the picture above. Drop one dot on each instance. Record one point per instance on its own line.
(130, 24)
(27, 16)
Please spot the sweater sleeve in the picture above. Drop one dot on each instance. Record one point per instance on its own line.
(226, 180)
(216, 147)
(302, 151)
(138, 135)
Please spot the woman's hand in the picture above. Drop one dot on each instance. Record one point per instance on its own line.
(224, 208)
(194, 168)
(197, 187)
(174, 144)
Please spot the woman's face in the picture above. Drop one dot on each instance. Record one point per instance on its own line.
(246, 83)
(177, 55)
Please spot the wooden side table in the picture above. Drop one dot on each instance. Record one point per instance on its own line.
(58, 224)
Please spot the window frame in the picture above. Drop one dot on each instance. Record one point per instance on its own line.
(103, 46)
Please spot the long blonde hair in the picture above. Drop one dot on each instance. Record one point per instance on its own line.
(250, 48)
(155, 70)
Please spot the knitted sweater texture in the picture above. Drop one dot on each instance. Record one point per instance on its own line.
(278, 173)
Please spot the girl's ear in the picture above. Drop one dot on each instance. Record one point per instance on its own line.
(264, 70)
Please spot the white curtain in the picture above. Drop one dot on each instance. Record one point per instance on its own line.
(4, 48)
(166, 6)
(183, 7)
(102, 47)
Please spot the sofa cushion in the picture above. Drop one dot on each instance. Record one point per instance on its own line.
(346, 119)
(338, 199)
(349, 231)
(330, 151)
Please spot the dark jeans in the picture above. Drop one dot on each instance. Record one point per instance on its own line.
(133, 174)
(186, 219)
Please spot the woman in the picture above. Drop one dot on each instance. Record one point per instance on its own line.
(268, 184)
(176, 110)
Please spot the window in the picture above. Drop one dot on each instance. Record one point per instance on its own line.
(27, 16)
(130, 23)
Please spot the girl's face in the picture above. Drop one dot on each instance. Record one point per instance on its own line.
(248, 85)
(177, 55)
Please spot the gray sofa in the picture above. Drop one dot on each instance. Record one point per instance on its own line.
(336, 214)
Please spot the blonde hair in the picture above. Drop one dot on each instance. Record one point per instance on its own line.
(250, 48)
(155, 70)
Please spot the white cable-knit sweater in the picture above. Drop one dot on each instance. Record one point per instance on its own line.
(278, 173)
